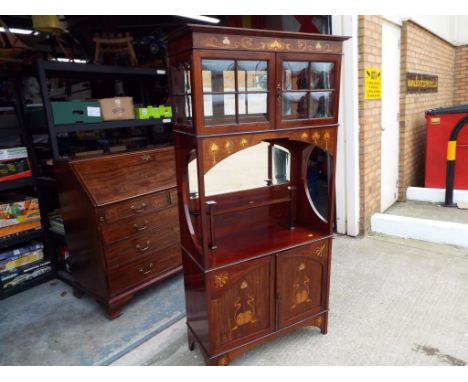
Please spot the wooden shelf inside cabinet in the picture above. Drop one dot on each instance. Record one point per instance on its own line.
(253, 243)
(21, 238)
(17, 183)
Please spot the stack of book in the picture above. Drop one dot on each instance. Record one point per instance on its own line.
(22, 264)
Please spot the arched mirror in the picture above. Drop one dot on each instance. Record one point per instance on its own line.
(319, 175)
(193, 199)
(237, 172)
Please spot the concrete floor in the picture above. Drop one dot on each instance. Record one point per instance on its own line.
(426, 210)
(392, 302)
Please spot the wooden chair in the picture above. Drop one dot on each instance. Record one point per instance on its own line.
(108, 44)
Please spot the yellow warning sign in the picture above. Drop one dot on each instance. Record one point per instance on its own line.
(372, 83)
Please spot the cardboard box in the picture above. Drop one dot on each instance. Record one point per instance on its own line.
(117, 108)
(76, 112)
(141, 113)
(165, 111)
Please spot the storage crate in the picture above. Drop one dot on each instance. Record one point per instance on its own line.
(69, 112)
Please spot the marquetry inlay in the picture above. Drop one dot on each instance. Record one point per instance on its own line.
(208, 41)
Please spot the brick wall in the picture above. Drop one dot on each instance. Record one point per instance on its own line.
(421, 52)
(370, 55)
(461, 75)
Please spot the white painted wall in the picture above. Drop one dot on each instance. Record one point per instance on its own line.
(453, 28)
(347, 166)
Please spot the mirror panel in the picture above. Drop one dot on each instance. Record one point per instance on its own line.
(321, 104)
(322, 75)
(295, 105)
(295, 75)
(319, 174)
(236, 173)
(193, 200)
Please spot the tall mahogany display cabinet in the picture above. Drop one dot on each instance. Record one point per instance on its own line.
(255, 136)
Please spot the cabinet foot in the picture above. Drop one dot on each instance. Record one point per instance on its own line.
(219, 361)
(322, 323)
(77, 292)
(114, 312)
(190, 340)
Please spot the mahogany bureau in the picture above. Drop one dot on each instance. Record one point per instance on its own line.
(121, 223)
(255, 115)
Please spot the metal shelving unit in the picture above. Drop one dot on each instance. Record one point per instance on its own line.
(49, 69)
(17, 183)
(22, 237)
(14, 124)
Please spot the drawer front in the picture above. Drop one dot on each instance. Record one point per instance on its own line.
(135, 225)
(137, 247)
(145, 269)
(302, 275)
(136, 206)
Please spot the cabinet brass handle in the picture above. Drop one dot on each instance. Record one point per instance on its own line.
(138, 210)
(138, 228)
(141, 248)
(150, 266)
(278, 90)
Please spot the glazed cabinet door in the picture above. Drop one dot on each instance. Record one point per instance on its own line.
(302, 282)
(307, 88)
(242, 303)
(236, 91)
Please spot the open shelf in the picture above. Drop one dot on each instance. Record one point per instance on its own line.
(26, 285)
(21, 238)
(69, 68)
(17, 183)
(251, 243)
(76, 127)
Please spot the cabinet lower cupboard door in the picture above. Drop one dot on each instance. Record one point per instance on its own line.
(301, 282)
(242, 302)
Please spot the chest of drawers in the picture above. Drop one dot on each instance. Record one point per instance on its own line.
(121, 222)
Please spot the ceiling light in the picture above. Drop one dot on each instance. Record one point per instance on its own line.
(205, 19)
(17, 30)
(75, 61)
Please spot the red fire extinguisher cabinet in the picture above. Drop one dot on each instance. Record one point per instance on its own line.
(439, 124)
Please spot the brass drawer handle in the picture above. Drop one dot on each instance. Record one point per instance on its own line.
(138, 210)
(146, 157)
(142, 228)
(141, 248)
(150, 266)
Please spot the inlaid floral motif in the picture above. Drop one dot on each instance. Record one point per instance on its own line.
(221, 279)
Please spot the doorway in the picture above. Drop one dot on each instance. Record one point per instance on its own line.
(390, 123)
